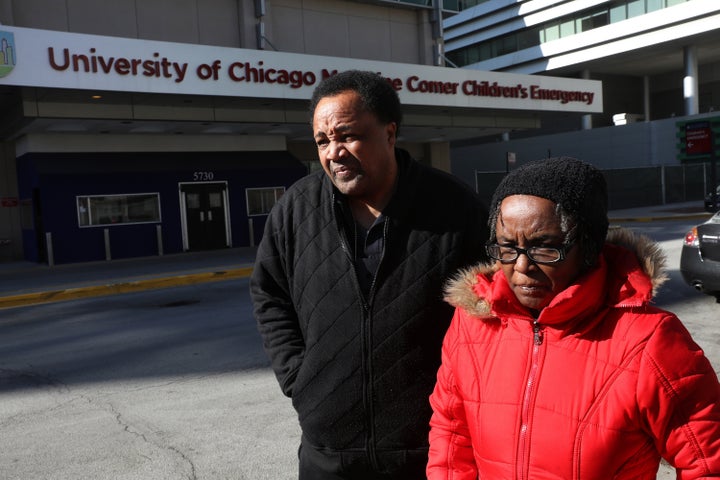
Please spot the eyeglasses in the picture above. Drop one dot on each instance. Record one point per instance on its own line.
(542, 255)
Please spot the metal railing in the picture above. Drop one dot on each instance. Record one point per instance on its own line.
(635, 187)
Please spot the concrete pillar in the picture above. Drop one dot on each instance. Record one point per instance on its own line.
(646, 98)
(586, 121)
(439, 155)
(437, 34)
(690, 81)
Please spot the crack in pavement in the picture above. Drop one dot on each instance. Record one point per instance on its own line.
(29, 379)
(127, 427)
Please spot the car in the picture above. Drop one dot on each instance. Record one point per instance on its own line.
(711, 206)
(700, 257)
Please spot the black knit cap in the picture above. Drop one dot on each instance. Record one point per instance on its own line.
(578, 187)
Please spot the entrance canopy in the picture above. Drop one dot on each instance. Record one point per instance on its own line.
(67, 82)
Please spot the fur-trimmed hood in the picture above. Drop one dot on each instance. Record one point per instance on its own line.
(622, 246)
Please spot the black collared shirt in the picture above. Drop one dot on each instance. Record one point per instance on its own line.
(366, 246)
(369, 251)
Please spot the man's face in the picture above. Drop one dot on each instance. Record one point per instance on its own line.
(355, 149)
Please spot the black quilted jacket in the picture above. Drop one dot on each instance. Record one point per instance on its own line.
(360, 372)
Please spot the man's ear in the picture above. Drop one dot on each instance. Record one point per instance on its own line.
(391, 129)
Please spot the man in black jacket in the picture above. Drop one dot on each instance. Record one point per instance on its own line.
(347, 286)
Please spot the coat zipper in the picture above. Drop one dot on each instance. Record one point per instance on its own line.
(372, 453)
(525, 419)
(365, 334)
(386, 229)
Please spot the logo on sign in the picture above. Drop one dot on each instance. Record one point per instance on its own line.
(7, 53)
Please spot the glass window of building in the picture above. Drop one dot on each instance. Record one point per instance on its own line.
(635, 8)
(104, 210)
(261, 200)
(567, 28)
(552, 32)
(558, 28)
(505, 45)
(653, 5)
(528, 38)
(618, 13)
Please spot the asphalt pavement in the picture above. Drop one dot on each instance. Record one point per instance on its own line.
(131, 393)
(26, 283)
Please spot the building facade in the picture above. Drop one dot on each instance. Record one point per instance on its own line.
(657, 59)
(147, 128)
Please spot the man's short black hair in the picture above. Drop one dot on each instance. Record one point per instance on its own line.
(376, 94)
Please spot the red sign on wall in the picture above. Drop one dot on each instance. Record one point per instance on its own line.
(9, 201)
(698, 138)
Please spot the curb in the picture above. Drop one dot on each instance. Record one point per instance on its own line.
(660, 218)
(51, 296)
(66, 294)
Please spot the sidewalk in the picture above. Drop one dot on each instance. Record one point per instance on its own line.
(26, 283)
(674, 211)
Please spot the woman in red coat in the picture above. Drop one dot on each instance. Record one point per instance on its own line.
(556, 365)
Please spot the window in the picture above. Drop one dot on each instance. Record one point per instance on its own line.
(261, 200)
(653, 5)
(100, 210)
(484, 52)
(460, 5)
(505, 45)
(595, 20)
(567, 28)
(528, 38)
(618, 13)
(557, 28)
(636, 8)
(552, 32)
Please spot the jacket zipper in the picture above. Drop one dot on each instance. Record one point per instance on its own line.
(365, 335)
(349, 254)
(524, 447)
(370, 441)
(386, 229)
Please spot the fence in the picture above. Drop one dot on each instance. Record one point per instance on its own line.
(635, 187)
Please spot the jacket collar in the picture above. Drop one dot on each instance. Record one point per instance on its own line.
(629, 273)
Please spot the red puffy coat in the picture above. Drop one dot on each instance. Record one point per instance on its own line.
(599, 387)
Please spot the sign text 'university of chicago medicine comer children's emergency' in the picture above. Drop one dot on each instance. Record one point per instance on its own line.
(111, 63)
(239, 71)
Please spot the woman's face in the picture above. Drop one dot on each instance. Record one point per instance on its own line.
(527, 221)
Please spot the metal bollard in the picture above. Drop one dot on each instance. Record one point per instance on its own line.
(106, 232)
(251, 228)
(49, 249)
(158, 230)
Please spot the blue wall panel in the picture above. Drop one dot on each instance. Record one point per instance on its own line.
(61, 177)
